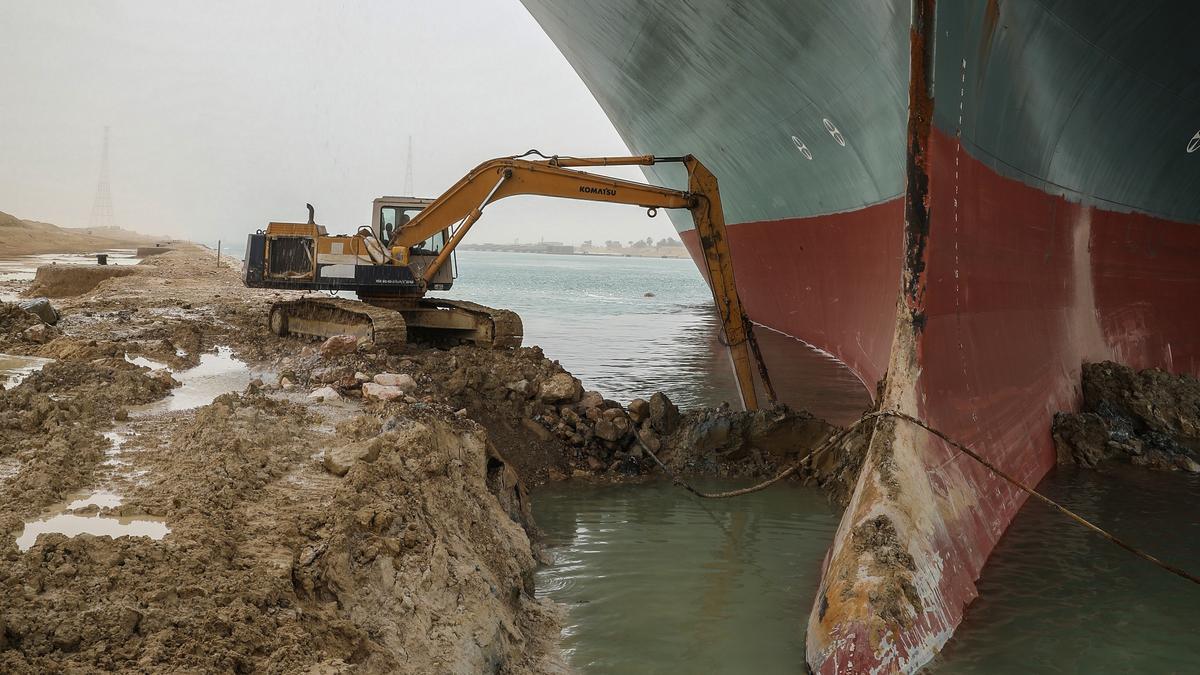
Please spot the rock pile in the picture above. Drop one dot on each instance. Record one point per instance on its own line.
(1149, 418)
(550, 426)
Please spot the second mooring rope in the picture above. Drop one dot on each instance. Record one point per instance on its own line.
(837, 437)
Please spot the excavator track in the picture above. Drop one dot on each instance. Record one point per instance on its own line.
(496, 328)
(321, 318)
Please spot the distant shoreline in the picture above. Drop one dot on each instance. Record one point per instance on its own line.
(30, 237)
(669, 252)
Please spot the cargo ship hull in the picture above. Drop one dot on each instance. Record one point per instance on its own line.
(966, 200)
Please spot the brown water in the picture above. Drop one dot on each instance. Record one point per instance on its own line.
(14, 369)
(23, 268)
(61, 519)
(218, 372)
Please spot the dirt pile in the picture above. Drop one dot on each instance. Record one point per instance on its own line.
(14, 321)
(52, 422)
(306, 534)
(1148, 418)
(60, 281)
(550, 427)
(407, 563)
(720, 441)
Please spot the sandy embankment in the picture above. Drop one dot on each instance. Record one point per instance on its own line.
(28, 237)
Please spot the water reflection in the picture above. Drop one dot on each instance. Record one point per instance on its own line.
(1057, 598)
(659, 582)
(73, 525)
(14, 369)
(24, 268)
(61, 519)
(217, 373)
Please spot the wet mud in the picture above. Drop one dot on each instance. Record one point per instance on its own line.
(153, 523)
(1147, 418)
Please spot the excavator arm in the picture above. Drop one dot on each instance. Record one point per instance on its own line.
(491, 181)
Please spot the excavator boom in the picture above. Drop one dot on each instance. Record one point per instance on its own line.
(463, 204)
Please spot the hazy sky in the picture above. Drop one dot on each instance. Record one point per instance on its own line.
(226, 115)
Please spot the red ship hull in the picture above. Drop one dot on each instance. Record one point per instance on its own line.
(1039, 211)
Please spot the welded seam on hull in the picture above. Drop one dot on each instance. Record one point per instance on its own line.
(870, 388)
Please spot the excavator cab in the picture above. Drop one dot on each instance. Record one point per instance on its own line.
(389, 214)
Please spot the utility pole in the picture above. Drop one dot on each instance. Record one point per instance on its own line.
(102, 206)
(408, 172)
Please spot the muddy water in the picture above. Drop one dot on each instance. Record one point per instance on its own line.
(657, 581)
(13, 369)
(24, 268)
(74, 525)
(1055, 598)
(218, 373)
(61, 519)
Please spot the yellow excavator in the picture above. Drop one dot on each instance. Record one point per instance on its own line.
(391, 264)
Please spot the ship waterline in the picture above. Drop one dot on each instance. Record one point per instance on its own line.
(1038, 211)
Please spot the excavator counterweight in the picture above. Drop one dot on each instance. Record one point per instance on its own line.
(404, 253)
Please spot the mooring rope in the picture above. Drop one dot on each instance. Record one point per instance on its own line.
(956, 445)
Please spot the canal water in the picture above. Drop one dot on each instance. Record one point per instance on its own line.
(592, 313)
(656, 581)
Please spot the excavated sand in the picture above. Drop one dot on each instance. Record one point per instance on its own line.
(413, 557)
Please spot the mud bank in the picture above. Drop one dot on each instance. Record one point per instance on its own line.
(1148, 418)
(60, 281)
(303, 534)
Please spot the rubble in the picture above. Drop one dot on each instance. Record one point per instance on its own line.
(1148, 418)
(325, 394)
(42, 309)
(338, 345)
(403, 382)
(560, 387)
(39, 333)
(382, 392)
(664, 416)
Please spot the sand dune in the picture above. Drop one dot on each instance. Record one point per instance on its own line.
(24, 237)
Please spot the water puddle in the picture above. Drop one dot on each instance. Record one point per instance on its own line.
(217, 373)
(61, 520)
(14, 369)
(101, 499)
(9, 467)
(146, 363)
(116, 440)
(24, 268)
